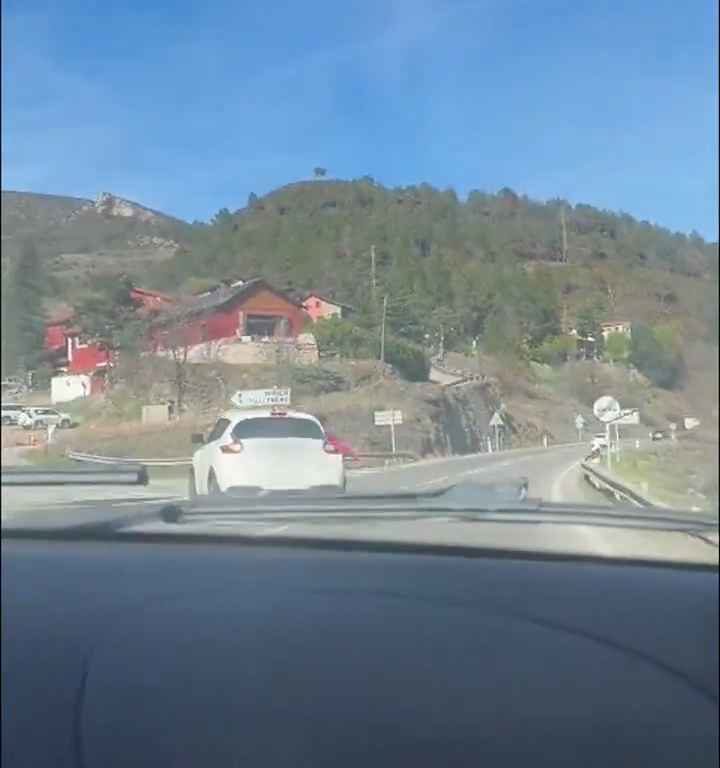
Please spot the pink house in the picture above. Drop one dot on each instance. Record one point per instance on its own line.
(320, 307)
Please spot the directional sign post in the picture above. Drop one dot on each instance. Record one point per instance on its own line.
(497, 424)
(673, 428)
(580, 426)
(606, 410)
(389, 419)
(260, 398)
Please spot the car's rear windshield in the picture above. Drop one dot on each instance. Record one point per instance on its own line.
(270, 427)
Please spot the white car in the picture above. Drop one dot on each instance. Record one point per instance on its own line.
(599, 441)
(38, 418)
(265, 448)
(10, 413)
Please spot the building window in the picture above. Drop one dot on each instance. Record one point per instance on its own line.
(261, 325)
(317, 305)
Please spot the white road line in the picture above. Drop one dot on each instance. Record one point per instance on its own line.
(556, 493)
(442, 479)
(277, 529)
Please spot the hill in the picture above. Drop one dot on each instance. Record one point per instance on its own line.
(80, 241)
(466, 264)
(501, 269)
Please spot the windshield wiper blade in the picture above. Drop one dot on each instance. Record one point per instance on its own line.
(112, 475)
(465, 501)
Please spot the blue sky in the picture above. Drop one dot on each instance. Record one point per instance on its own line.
(188, 107)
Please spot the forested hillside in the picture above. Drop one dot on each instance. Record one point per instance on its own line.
(511, 273)
(499, 267)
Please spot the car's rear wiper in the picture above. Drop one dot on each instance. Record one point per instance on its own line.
(113, 475)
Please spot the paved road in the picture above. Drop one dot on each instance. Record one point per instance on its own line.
(553, 474)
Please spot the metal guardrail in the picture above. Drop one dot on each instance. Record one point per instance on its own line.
(610, 485)
(409, 455)
(94, 459)
(116, 475)
(187, 461)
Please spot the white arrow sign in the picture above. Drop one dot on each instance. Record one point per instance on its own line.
(259, 398)
(628, 416)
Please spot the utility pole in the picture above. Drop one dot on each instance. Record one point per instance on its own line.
(382, 331)
(373, 285)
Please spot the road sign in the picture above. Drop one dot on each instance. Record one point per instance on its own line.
(496, 420)
(387, 418)
(579, 422)
(260, 398)
(606, 409)
(497, 424)
(628, 416)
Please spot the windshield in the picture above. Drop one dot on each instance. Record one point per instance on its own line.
(477, 243)
(277, 428)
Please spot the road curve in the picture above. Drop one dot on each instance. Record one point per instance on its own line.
(553, 475)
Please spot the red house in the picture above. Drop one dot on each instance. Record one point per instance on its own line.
(151, 301)
(252, 309)
(320, 307)
(65, 349)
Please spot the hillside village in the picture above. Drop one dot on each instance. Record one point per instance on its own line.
(359, 297)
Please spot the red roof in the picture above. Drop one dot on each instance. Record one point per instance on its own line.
(151, 299)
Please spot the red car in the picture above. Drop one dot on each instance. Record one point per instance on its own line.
(345, 449)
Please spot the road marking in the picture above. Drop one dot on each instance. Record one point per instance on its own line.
(442, 479)
(135, 502)
(278, 529)
(556, 491)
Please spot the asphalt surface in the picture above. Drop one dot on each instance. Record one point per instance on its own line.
(553, 474)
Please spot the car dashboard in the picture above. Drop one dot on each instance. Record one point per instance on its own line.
(151, 653)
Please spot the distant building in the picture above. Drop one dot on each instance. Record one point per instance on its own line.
(151, 301)
(252, 309)
(616, 326)
(321, 307)
(586, 345)
(68, 350)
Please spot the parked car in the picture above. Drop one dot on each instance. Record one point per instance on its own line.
(343, 448)
(10, 413)
(658, 434)
(39, 418)
(599, 441)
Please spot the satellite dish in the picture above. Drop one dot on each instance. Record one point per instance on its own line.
(606, 409)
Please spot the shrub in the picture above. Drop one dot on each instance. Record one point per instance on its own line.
(555, 350)
(655, 355)
(617, 347)
(409, 359)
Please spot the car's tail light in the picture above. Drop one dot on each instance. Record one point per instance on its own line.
(235, 447)
(329, 447)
